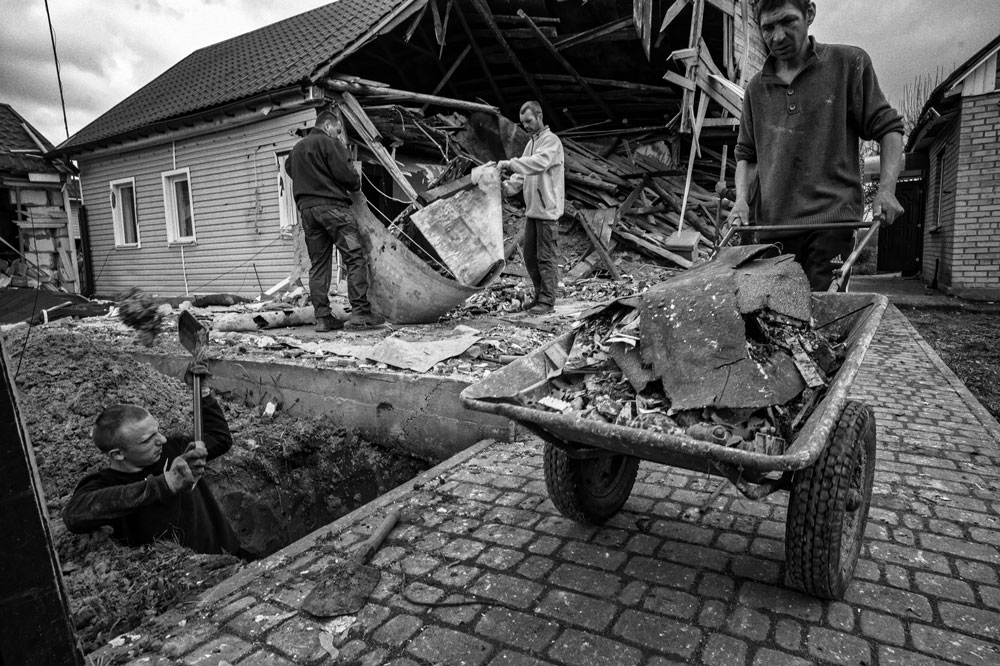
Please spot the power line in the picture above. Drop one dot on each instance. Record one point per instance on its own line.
(55, 56)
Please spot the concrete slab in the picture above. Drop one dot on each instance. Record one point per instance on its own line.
(483, 571)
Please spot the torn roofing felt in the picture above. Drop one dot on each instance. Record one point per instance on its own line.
(695, 339)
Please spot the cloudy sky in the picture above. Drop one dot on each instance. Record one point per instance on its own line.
(108, 49)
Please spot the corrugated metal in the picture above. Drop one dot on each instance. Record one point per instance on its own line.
(235, 198)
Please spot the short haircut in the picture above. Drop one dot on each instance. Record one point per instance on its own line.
(534, 106)
(771, 5)
(107, 433)
(327, 116)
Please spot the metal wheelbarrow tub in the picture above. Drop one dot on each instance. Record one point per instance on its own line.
(828, 469)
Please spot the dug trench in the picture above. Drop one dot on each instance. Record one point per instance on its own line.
(284, 477)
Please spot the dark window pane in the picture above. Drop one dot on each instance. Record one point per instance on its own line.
(130, 226)
(182, 198)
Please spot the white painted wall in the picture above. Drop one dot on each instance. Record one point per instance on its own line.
(234, 191)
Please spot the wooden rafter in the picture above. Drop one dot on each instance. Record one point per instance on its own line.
(568, 67)
(479, 54)
(484, 11)
(594, 33)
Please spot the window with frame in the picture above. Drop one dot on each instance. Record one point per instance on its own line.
(123, 212)
(178, 205)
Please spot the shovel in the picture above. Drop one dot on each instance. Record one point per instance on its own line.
(194, 338)
(346, 587)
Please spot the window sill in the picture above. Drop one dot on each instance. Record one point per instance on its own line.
(182, 243)
(128, 247)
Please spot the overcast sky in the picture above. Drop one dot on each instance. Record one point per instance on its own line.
(108, 49)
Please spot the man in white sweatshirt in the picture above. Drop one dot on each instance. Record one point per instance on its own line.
(538, 173)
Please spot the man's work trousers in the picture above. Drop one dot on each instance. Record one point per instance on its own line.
(326, 227)
(541, 252)
(820, 253)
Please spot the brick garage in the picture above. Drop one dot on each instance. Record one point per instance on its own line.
(959, 132)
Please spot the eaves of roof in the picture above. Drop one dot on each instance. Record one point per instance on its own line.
(937, 109)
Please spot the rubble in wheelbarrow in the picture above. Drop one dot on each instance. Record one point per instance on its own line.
(725, 353)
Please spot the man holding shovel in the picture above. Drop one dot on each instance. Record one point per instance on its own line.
(152, 488)
(803, 116)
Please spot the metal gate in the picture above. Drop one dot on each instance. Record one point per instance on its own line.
(901, 245)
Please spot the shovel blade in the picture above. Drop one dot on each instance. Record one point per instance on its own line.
(343, 591)
(193, 336)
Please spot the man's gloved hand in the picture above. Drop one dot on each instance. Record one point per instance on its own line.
(504, 166)
(179, 475)
(200, 369)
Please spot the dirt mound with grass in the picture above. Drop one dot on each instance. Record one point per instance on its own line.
(284, 477)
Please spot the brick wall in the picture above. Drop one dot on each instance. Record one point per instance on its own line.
(975, 256)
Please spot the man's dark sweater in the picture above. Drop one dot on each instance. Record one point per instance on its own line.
(321, 171)
(140, 507)
(804, 136)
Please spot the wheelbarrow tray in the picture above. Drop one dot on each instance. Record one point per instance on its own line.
(850, 317)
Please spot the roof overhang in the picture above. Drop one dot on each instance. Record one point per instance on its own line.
(245, 111)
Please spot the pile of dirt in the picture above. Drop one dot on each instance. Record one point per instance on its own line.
(283, 478)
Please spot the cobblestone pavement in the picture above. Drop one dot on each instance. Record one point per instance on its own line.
(663, 582)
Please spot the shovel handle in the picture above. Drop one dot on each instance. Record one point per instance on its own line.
(368, 548)
(845, 268)
(196, 394)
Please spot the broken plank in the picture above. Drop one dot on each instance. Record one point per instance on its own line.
(652, 248)
(595, 33)
(589, 221)
(363, 125)
(446, 190)
(642, 17)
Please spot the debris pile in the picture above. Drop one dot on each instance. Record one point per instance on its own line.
(725, 353)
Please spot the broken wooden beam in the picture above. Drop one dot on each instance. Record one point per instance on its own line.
(591, 220)
(484, 11)
(340, 86)
(601, 104)
(369, 134)
(601, 31)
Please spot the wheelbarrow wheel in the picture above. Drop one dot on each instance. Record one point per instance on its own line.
(828, 507)
(589, 490)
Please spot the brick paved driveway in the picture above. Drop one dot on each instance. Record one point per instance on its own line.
(664, 582)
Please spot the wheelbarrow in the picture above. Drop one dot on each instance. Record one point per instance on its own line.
(827, 470)
(842, 273)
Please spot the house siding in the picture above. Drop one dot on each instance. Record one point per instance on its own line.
(233, 183)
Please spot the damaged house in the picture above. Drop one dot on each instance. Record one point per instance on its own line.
(183, 186)
(38, 225)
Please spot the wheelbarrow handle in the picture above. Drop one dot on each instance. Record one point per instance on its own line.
(830, 226)
(845, 268)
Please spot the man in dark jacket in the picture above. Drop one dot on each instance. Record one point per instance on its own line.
(152, 489)
(803, 116)
(323, 179)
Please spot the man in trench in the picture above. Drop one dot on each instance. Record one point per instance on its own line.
(323, 179)
(803, 116)
(153, 488)
(539, 174)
